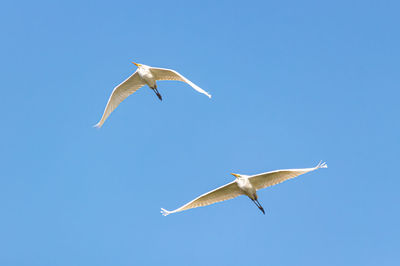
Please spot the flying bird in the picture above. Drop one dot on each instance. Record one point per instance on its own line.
(142, 76)
(244, 185)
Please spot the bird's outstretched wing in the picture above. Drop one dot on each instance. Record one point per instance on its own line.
(228, 191)
(169, 74)
(120, 93)
(275, 177)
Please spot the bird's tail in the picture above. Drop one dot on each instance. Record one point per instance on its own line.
(321, 165)
(165, 212)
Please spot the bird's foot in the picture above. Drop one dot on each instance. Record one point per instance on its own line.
(158, 94)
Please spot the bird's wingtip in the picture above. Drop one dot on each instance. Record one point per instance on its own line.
(165, 212)
(98, 125)
(322, 165)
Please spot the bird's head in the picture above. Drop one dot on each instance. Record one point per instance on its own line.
(136, 64)
(236, 175)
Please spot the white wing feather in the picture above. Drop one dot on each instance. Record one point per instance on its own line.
(120, 93)
(225, 192)
(169, 74)
(275, 177)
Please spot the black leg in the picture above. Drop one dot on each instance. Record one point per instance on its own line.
(259, 205)
(158, 94)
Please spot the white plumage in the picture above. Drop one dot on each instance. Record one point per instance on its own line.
(244, 185)
(142, 76)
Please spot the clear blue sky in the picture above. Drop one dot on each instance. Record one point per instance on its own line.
(293, 82)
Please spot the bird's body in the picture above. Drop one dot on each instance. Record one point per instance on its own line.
(244, 185)
(144, 75)
(248, 189)
(147, 76)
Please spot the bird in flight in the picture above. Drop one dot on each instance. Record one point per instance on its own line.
(142, 76)
(244, 185)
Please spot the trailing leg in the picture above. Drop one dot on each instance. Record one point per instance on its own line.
(157, 93)
(258, 205)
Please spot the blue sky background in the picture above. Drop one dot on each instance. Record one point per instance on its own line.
(293, 82)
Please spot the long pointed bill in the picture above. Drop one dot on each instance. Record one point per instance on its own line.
(235, 175)
(135, 64)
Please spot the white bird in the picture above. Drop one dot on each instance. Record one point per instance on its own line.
(244, 185)
(142, 76)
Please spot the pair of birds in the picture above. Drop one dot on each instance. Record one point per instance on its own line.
(242, 185)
